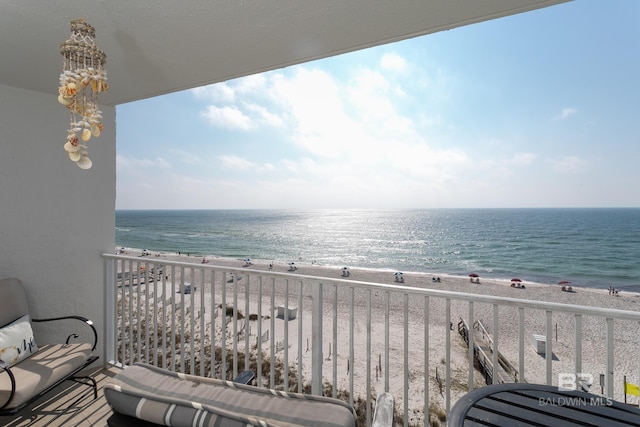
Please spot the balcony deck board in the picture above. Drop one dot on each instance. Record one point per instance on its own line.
(70, 404)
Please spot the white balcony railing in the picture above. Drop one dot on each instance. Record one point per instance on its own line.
(351, 339)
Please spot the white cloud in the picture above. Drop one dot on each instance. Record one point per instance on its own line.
(227, 117)
(187, 157)
(253, 84)
(566, 113)
(522, 159)
(392, 61)
(220, 92)
(267, 167)
(128, 163)
(236, 163)
(369, 93)
(568, 164)
(301, 166)
(312, 103)
(263, 115)
(358, 140)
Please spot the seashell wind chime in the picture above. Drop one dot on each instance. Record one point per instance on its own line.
(82, 78)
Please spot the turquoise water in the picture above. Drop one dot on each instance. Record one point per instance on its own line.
(589, 247)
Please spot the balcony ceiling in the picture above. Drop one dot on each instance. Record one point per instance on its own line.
(161, 46)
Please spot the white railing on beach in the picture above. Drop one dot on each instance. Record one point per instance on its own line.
(357, 337)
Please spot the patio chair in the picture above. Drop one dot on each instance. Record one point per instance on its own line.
(28, 368)
(142, 395)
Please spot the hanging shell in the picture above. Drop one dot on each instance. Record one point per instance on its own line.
(99, 86)
(84, 82)
(86, 135)
(64, 101)
(96, 129)
(70, 148)
(84, 162)
(72, 138)
(69, 90)
(75, 155)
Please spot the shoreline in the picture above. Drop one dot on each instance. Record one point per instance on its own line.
(314, 269)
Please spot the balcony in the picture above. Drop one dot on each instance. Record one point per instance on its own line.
(344, 338)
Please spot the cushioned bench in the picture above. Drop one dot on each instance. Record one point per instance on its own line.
(29, 370)
(144, 395)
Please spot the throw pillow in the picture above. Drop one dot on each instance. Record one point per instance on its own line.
(16, 341)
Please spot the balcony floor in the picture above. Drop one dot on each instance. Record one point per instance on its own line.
(70, 404)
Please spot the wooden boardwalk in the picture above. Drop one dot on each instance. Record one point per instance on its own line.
(483, 353)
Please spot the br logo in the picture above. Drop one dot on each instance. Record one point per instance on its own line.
(568, 381)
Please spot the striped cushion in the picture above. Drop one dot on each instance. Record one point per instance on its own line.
(168, 398)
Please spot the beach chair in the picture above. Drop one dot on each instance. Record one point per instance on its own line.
(142, 395)
(28, 368)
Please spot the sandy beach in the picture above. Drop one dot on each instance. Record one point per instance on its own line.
(626, 333)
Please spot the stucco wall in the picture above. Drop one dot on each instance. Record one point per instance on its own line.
(55, 218)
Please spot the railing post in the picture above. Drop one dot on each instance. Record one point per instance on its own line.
(447, 356)
(316, 338)
(609, 378)
(578, 344)
(521, 377)
(495, 349)
(426, 356)
(548, 347)
(405, 365)
(110, 310)
(470, 347)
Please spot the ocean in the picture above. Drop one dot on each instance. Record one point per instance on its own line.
(594, 248)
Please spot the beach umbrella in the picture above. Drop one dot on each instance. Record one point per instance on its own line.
(397, 273)
(515, 279)
(473, 275)
(564, 282)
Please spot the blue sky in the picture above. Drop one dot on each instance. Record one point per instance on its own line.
(534, 110)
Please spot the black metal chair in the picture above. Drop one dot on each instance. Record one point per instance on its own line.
(28, 370)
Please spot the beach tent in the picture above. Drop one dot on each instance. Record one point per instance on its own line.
(516, 283)
(565, 285)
